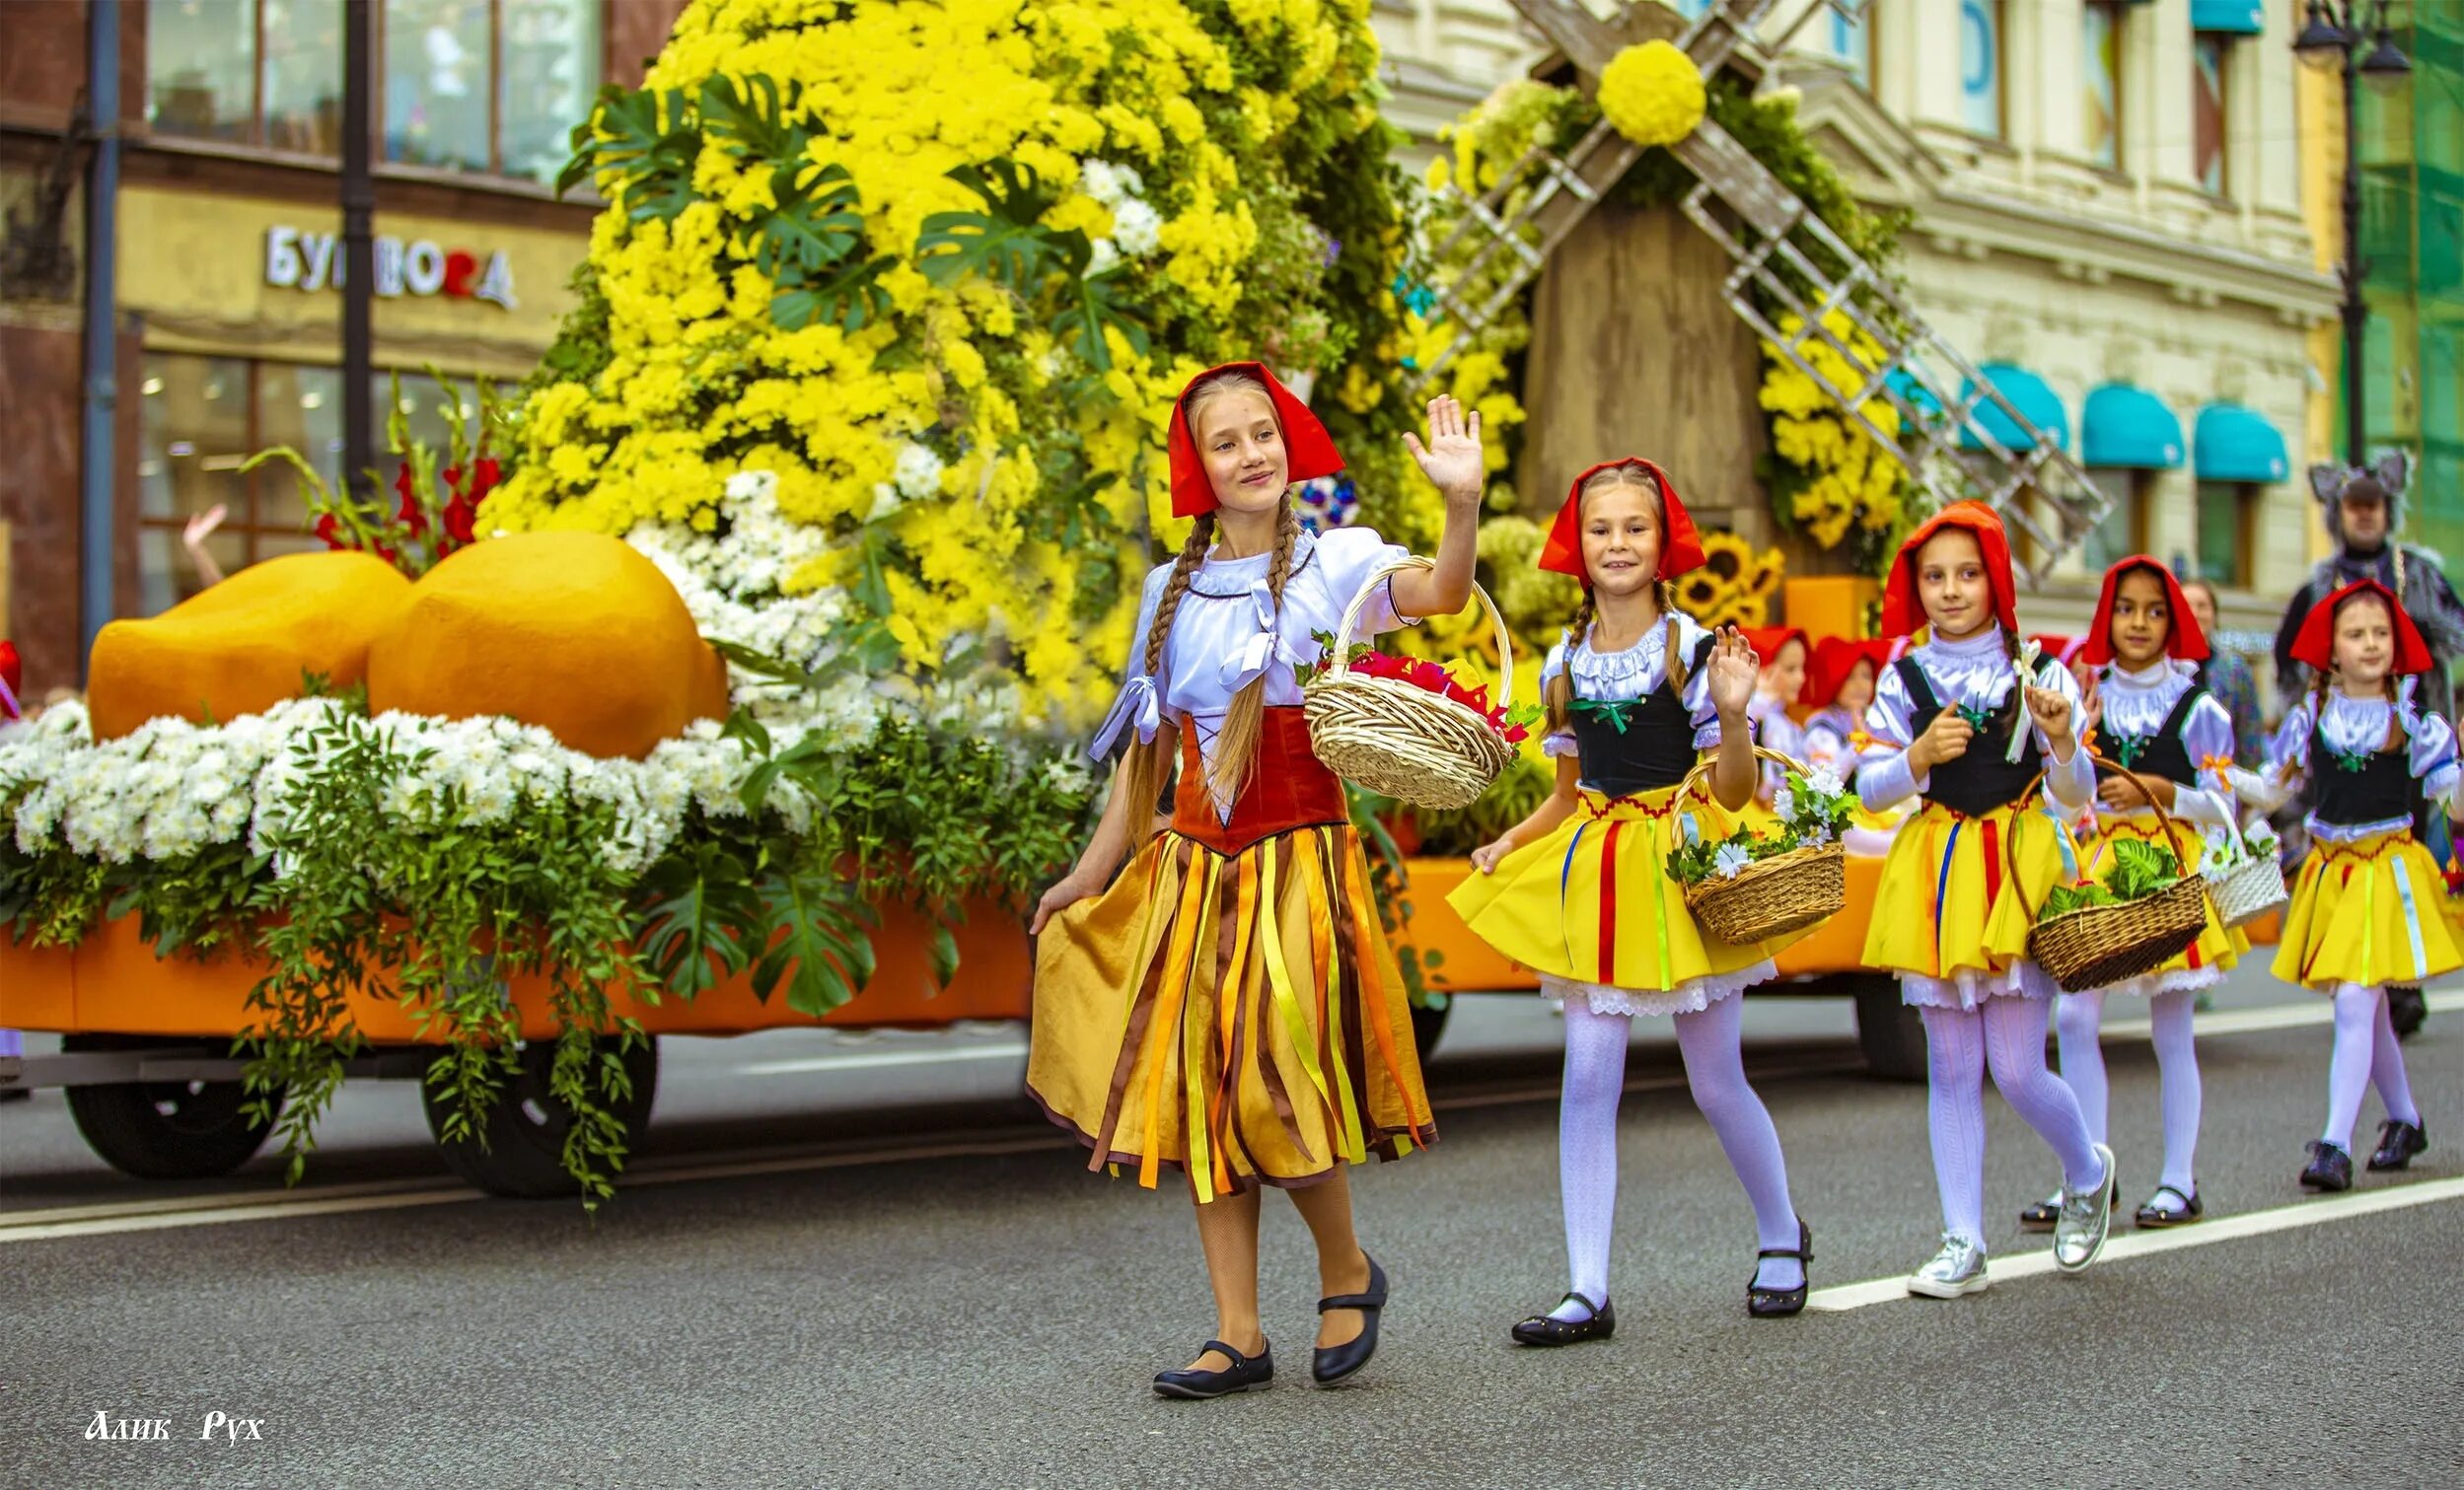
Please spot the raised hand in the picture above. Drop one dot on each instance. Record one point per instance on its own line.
(1733, 668)
(201, 527)
(2051, 709)
(1451, 459)
(2092, 699)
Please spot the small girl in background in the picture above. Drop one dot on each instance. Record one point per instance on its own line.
(1784, 653)
(1580, 891)
(1971, 735)
(2363, 912)
(1838, 689)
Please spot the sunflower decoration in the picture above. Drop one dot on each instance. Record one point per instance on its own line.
(1735, 584)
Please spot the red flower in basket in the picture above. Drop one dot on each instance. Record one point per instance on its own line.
(1378, 665)
(410, 514)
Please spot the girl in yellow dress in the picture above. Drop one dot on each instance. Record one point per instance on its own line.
(2365, 911)
(2152, 718)
(1228, 1007)
(1580, 891)
(1969, 733)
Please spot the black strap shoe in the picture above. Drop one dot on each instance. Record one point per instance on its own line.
(1780, 1303)
(2041, 1216)
(2398, 1141)
(1333, 1363)
(1544, 1329)
(2330, 1167)
(2152, 1216)
(1246, 1372)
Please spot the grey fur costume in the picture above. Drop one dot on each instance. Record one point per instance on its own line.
(2411, 573)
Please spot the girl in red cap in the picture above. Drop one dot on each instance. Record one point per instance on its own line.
(1228, 1007)
(1838, 689)
(2151, 717)
(1784, 654)
(2364, 910)
(1581, 892)
(1972, 720)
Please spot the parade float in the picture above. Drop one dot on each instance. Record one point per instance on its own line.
(735, 673)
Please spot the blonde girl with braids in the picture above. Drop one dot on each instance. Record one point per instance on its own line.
(1580, 891)
(1227, 1007)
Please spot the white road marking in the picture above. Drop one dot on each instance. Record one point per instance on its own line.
(2121, 1248)
(2317, 1009)
(1008, 1051)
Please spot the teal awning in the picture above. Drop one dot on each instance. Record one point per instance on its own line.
(1919, 398)
(2234, 443)
(2242, 18)
(2122, 425)
(2038, 403)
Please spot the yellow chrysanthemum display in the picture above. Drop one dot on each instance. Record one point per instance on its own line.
(1653, 94)
(1845, 483)
(1222, 172)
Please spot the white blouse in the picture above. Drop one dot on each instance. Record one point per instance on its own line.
(1836, 743)
(1972, 670)
(1633, 672)
(2359, 727)
(1773, 730)
(1227, 631)
(2137, 704)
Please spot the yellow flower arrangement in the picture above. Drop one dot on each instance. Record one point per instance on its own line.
(1840, 481)
(1653, 94)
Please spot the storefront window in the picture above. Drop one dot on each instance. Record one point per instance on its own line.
(550, 50)
(1981, 67)
(2100, 69)
(304, 76)
(202, 69)
(2206, 103)
(2124, 532)
(437, 71)
(2225, 509)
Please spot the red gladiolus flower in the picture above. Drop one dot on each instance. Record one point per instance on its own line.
(330, 530)
(461, 517)
(485, 474)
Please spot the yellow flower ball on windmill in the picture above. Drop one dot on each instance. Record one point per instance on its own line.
(1652, 94)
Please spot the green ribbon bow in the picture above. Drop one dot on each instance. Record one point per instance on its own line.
(1978, 718)
(2127, 748)
(2352, 761)
(1616, 711)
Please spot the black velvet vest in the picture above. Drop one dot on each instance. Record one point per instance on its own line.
(2382, 791)
(1981, 780)
(2164, 756)
(1654, 749)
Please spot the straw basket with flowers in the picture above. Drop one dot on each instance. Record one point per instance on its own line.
(1404, 727)
(2147, 913)
(2242, 874)
(1752, 887)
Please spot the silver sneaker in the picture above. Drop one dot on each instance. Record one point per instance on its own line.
(2087, 1218)
(1958, 1268)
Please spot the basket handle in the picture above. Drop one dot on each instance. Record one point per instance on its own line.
(1697, 779)
(1496, 619)
(2010, 840)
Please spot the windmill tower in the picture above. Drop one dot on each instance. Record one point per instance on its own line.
(1759, 245)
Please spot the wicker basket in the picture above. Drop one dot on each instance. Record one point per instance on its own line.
(2248, 891)
(2099, 946)
(1769, 897)
(1416, 747)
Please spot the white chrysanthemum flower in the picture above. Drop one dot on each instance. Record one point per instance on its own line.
(1729, 859)
(918, 472)
(1826, 782)
(752, 485)
(1137, 228)
(1102, 256)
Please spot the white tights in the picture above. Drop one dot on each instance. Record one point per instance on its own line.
(1595, 1078)
(2366, 1055)
(2079, 1017)
(2007, 1036)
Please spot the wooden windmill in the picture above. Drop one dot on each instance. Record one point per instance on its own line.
(1778, 252)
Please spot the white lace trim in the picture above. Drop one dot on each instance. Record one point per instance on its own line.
(2179, 980)
(1969, 989)
(1690, 997)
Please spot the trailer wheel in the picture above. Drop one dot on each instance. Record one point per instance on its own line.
(1891, 1035)
(1427, 1024)
(164, 1130)
(519, 1151)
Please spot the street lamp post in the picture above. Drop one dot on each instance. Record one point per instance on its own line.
(2332, 38)
(359, 258)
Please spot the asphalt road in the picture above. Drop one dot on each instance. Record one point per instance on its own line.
(866, 1264)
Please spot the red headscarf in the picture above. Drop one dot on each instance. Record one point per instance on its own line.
(1903, 611)
(2316, 645)
(1308, 450)
(12, 682)
(2183, 639)
(1834, 658)
(1767, 640)
(1680, 548)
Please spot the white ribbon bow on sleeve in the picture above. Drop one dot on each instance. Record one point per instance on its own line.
(1138, 703)
(2025, 668)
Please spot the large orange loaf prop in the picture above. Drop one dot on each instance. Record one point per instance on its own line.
(243, 646)
(575, 632)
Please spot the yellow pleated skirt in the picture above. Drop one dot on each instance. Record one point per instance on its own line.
(1593, 902)
(2216, 949)
(1236, 1017)
(2366, 912)
(1947, 902)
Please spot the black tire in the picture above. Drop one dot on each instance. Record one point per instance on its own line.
(165, 1130)
(519, 1151)
(1891, 1035)
(1427, 1024)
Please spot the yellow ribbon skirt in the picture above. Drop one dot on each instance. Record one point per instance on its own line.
(1592, 902)
(2366, 912)
(1947, 900)
(1237, 1018)
(2217, 946)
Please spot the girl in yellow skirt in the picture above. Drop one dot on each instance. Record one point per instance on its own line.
(1227, 1007)
(1580, 891)
(1838, 689)
(2151, 717)
(2365, 911)
(1969, 733)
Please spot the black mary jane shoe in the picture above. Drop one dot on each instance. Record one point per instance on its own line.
(1333, 1363)
(2153, 1217)
(2330, 1167)
(1780, 1303)
(2040, 1216)
(1542, 1329)
(1246, 1372)
(2398, 1141)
